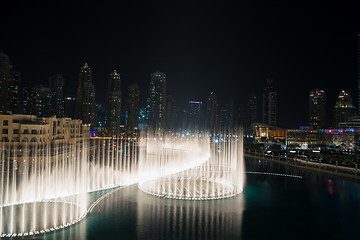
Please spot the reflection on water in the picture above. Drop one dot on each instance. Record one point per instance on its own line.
(271, 207)
(172, 219)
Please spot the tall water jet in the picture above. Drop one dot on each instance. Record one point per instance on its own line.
(218, 175)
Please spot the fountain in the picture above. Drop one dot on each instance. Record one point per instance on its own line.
(45, 187)
(221, 175)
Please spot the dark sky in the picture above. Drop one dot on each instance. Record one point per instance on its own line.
(226, 47)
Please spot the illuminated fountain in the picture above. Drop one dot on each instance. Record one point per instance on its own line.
(46, 187)
(217, 175)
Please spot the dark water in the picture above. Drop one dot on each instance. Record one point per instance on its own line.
(271, 207)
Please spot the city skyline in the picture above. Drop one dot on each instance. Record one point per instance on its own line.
(289, 41)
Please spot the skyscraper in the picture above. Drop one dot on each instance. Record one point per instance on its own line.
(157, 102)
(56, 84)
(358, 62)
(171, 113)
(269, 103)
(344, 108)
(14, 93)
(317, 109)
(252, 108)
(86, 106)
(4, 83)
(9, 86)
(70, 107)
(113, 106)
(133, 108)
(212, 113)
(193, 116)
(39, 102)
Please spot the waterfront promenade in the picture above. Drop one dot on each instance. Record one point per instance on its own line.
(347, 172)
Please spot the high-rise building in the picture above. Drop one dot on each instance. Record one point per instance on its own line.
(70, 107)
(344, 108)
(212, 113)
(86, 106)
(317, 109)
(39, 102)
(9, 86)
(157, 102)
(14, 92)
(171, 114)
(4, 83)
(269, 103)
(113, 107)
(194, 116)
(133, 108)
(252, 108)
(56, 84)
(100, 123)
(358, 62)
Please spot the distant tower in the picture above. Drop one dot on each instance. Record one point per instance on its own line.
(15, 92)
(344, 108)
(133, 108)
(9, 86)
(56, 84)
(317, 109)
(194, 115)
(113, 107)
(358, 62)
(269, 103)
(4, 82)
(157, 102)
(252, 108)
(39, 102)
(86, 106)
(70, 107)
(212, 113)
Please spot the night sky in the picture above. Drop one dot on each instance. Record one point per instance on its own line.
(225, 47)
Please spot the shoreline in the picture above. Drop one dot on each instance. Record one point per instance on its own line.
(338, 171)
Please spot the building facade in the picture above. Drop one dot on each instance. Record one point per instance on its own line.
(56, 84)
(252, 108)
(39, 102)
(27, 129)
(317, 109)
(269, 103)
(344, 108)
(133, 108)
(86, 106)
(157, 102)
(9, 86)
(113, 107)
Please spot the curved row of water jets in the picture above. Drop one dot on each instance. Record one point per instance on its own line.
(59, 177)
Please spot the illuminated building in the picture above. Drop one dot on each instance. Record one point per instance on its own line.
(70, 107)
(86, 107)
(269, 104)
(56, 84)
(212, 113)
(252, 108)
(157, 102)
(14, 93)
(100, 123)
(171, 113)
(194, 116)
(358, 62)
(344, 108)
(317, 109)
(4, 82)
(27, 129)
(113, 107)
(9, 86)
(39, 102)
(133, 108)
